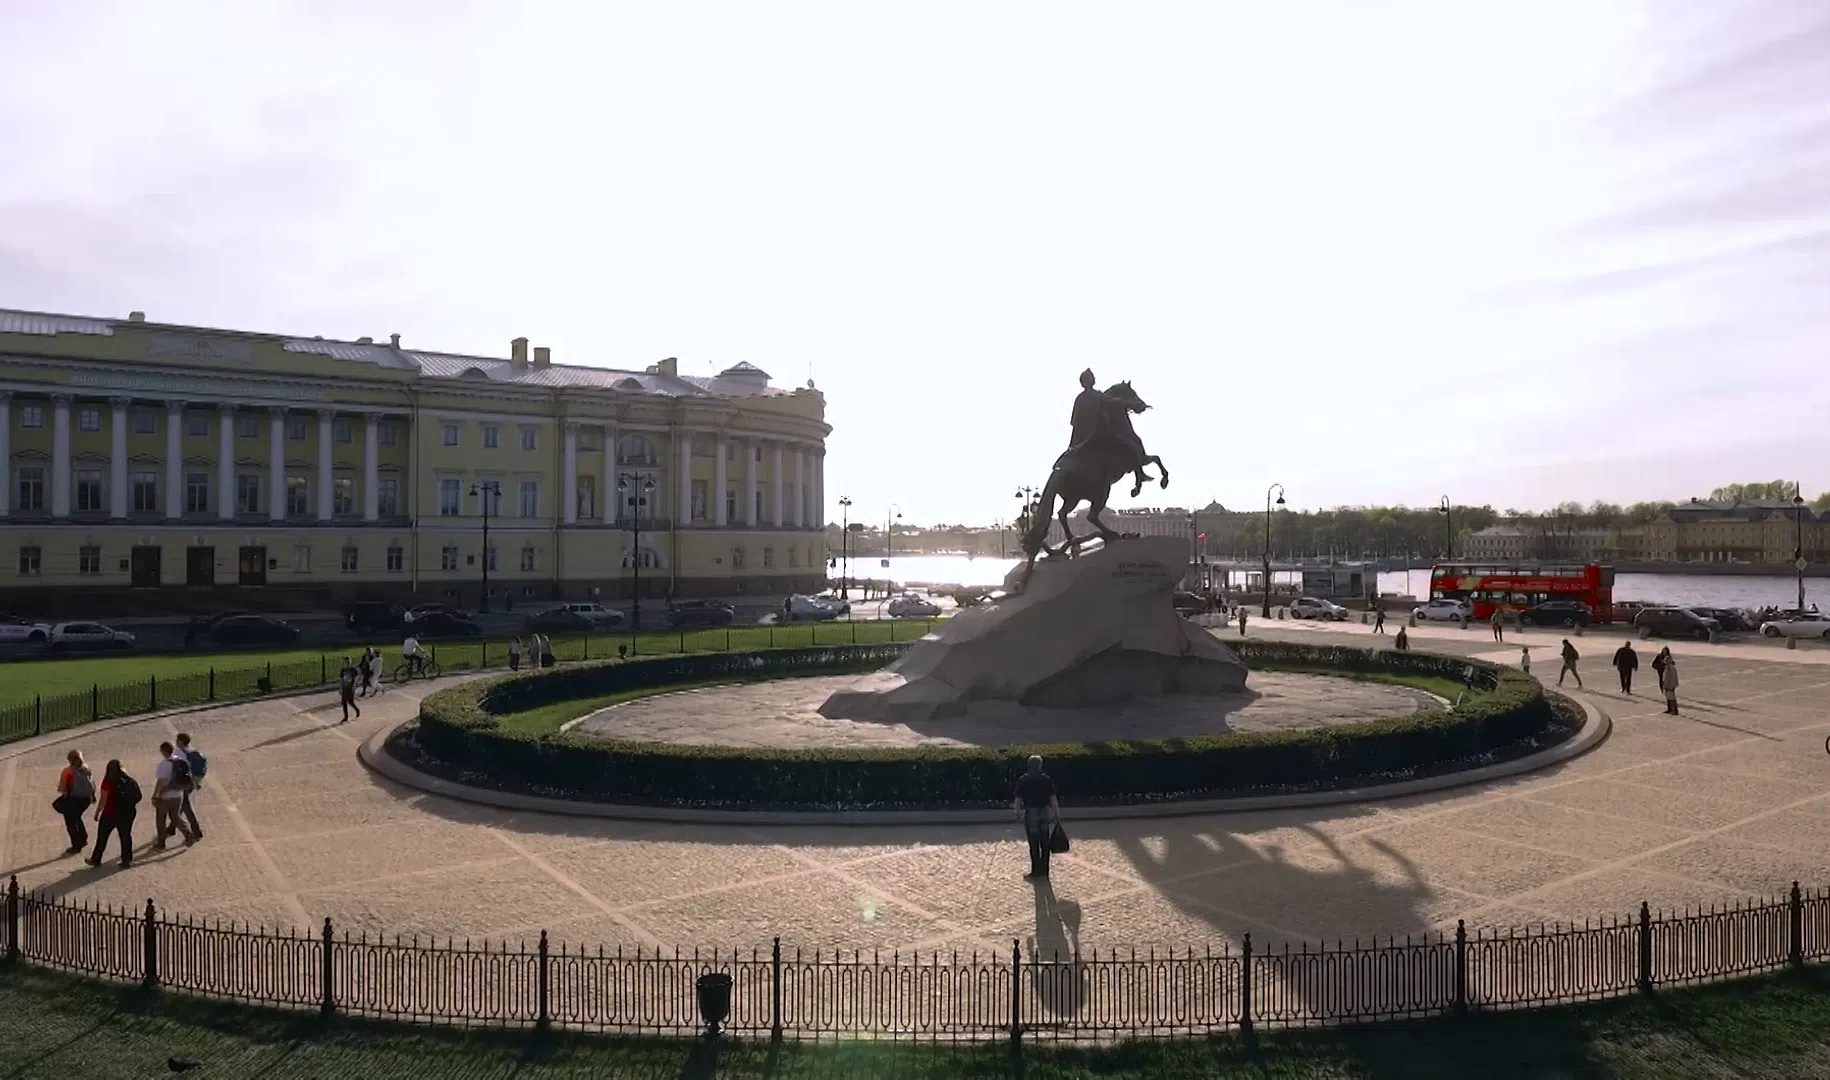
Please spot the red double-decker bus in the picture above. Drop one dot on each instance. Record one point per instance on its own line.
(1489, 585)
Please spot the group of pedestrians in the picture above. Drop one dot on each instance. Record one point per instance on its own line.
(116, 799)
(539, 650)
(1626, 662)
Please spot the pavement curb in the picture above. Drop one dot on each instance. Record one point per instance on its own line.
(374, 755)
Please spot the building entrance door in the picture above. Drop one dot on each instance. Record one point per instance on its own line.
(200, 567)
(145, 566)
(253, 566)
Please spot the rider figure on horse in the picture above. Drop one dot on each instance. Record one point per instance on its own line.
(1088, 423)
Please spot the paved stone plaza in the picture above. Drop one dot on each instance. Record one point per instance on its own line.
(1730, 800)
(785, 713)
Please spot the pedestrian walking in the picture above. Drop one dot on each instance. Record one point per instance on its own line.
(1498, 621)
(75, 794)
(1378, 620)
(1241, 620)
(1658, 666)
(1570, 656)
(547, 658)
(346, 690)
(1668, 681)
(114, 813)
(1403, 641)
(514, 654)
(171, 780)
(1626, 661)
(1525, 659)
(1041, 812)
(200, 765)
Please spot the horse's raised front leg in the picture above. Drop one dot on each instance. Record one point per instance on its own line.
(1138, 479)
(1158, 462)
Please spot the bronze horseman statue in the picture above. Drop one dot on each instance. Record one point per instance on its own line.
(1101, 450)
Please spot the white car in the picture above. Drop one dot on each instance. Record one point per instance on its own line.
(1440, 610)
(15, 631)
(1312, 607)
(597, 613)
(1810, 625)
(803, 608)
(912, 607)
(88, 637)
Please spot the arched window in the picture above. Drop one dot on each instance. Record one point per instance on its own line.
(635, 450)
(651, 560)
(737, 558)
(768, 557)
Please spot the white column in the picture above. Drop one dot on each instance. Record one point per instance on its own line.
(276, 464)
(799, 506)
(683, 512)
(117, 458)
(819, 491)
(371, 467)
(60, 455)
(225, 462)
(569, 495)
(775, 480)
(608, 480)
(6, 450)
(326, 418)
(720, 512)
(174, 460)
(751, 471)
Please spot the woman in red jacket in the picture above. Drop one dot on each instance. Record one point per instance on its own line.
(115, 812)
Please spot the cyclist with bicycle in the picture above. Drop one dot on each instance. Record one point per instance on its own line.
(409, 651)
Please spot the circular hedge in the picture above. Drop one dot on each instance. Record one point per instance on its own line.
(1506, 716)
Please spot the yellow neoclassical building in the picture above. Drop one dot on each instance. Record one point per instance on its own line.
(162, 468)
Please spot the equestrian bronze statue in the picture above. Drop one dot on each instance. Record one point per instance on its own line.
(1103, 447)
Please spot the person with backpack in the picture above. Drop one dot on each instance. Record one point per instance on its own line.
(171, 783)
(114, 813)
(346, 690)
(75, 791)
(1570, 656)
(200, 765)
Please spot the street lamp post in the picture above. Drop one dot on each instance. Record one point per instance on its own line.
(1798, 553)
(1279, 488)
(635, 491)
(844, 544)
(1448, 529)
(486, 493)
(889, 542)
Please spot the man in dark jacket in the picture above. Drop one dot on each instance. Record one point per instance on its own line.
(1626, 661)
(1041, 811)
(1570, 656)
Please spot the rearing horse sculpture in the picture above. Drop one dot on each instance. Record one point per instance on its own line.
(1087, 473)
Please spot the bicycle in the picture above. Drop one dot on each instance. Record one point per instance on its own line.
(428, 669)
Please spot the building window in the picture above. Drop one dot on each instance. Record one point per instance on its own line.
(397, 559)
(31, 416)
(758, 510)
(737, 558)
(248, 493)
(450, 500)
(768, 557)
(295, 429)
(144, 422)
(387, 496)
(447, 557)
(646, 558)
(197, 493)
(448, 434)
(759, 454)
(145, 492)
(635, 450)
(298, 495)
(349, 560)
(29, 560)
(88, 490)
(491, 435)
(387, 434)
(587, 496)
(89, 420)
(247, 426)
(489, 559)
(530, 438)
(794, 557)
(730, 505)
(197, 424)
(89, 559)
(31, 487)
(343, 495)
(530, 498)
(301, 558)
(530, 560)
(343, 430)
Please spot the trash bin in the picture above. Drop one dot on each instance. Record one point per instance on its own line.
(714, 1000)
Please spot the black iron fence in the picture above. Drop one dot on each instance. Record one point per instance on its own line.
(56, 712)
(789, 993)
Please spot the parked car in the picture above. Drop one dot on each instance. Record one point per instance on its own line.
(1441, 610)
(1730, 618)
(1188, 603)
(1314, 607)
(88, 637)
(555, 620)
(1674, 622)
(369, 616)
(700, 614)
(597, 614)
(253, 630)
(908, 606)
(419, 611)
(831, 599)
(17, 631)
(446, 624)
(1568, 614)
(802, 608)
(1811, 625)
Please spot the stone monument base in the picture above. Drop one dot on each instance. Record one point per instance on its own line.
(1096, 629)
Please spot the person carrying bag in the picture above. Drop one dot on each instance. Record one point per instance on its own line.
(1041, 817)
(75, 794)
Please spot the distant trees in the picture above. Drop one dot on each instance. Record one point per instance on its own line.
(1772, 489)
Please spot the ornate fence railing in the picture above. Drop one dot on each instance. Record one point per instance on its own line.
(790, 993)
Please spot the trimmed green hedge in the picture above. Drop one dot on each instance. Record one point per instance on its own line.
(1506, 713)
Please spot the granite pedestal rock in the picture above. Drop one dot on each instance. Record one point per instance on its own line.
(1096, 629)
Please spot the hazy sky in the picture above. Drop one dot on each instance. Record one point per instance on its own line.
(1379, 252)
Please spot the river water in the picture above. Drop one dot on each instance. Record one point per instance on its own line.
(1701, 590)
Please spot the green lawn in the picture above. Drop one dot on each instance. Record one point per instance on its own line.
(57, 1026)
(21, 680)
